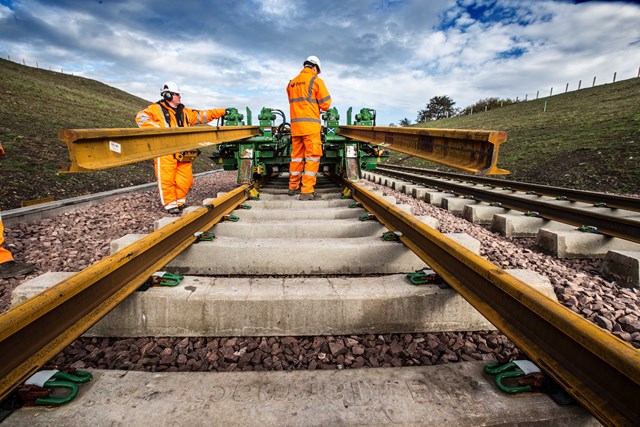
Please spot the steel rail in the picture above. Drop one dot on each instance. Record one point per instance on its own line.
(609, 225)
(601, 371)
(611, 200)
(474, 151)
(99, 149)
(34, 331)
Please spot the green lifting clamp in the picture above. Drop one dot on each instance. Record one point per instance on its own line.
(588, 229)
(514, 369)
(204, 236)
(163, 278)
(231, 218)
(38, 389)
(425, 276)
(392, 236)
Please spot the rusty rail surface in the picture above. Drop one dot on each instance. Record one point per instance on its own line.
(34, 331)
(474, 151)
(597, 368)
(98, 149)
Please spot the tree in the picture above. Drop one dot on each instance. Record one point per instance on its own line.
(439, 107)
(405, 122)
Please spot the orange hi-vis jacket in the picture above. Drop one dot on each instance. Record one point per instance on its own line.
(175, 177)
(307, 96)
(153, 116)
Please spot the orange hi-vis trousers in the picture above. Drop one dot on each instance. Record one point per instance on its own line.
(5, 255)
(306, 152)
(174, 180)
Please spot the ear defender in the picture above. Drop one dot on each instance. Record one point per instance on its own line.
(168, 96)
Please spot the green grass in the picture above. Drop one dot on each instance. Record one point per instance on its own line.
(587, 139)
(36, 105)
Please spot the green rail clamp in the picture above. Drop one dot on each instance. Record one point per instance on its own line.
(496, 204)
(533, 214)
(469, 197)
(38, 389)
(367, 217)
(231, 218)
(355, 205)
(392, 236)
(588, 229)
(531, 193)
(515, 369)
(204, 236)
(163, 278)
(506, 188)
(426, 276)
(562, 198)
(600, 205)
(244, 206)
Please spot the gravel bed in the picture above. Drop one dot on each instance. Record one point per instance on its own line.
(74, 240)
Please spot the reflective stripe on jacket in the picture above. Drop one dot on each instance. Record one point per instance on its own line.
(307, 96)
(152, 116)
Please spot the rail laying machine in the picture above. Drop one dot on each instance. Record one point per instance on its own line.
(269, 153)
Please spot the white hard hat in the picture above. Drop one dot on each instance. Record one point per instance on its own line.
(170, 87)
(313, 60)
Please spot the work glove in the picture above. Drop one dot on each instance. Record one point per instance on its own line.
(1, 150)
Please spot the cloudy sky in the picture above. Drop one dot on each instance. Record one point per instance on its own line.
(391, 55)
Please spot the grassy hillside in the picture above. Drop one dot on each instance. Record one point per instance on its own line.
(587, 139)
(35, 105)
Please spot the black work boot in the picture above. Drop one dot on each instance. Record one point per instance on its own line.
(12, 269)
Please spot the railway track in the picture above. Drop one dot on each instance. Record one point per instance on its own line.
(362, 257)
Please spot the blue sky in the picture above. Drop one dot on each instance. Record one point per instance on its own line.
(391, 55)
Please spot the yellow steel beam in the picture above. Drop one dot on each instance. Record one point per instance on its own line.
(597, 368)
(34, 331)
(474, 151)
(98, 149)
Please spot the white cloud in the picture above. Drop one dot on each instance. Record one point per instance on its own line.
(392, 56)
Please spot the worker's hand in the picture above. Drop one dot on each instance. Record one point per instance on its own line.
(227, 111)
(1, 150)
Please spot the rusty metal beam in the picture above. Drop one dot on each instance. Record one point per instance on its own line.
(597, 368)
(98, 149)
(34, 331)
(474, 151)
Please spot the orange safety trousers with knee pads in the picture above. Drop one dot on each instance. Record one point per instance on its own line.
(174, 180)
(306, 152)
(5, 255)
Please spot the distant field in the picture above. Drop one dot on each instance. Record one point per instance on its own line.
(588, 139)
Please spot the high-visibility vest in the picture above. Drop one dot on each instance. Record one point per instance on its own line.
(307, 96)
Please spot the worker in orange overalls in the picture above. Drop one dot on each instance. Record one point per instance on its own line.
(174, 172)
(307, 97)
(8, 266)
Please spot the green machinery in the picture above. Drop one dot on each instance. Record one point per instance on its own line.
(270, 152)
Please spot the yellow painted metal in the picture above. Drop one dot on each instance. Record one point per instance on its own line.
(601, 371)
(99, 149)
(34, 331)
(474, 151)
